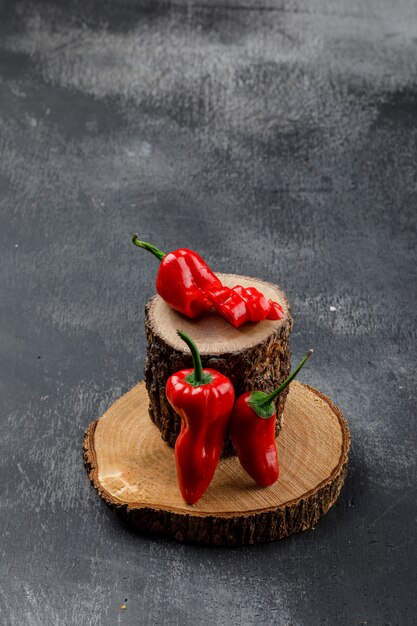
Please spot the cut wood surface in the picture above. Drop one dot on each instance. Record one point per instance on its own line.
(134, 472)
(254, 356)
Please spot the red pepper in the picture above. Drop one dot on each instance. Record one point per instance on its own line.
(256, 303)
(204, 400)
(244, 304)
(275, 311)
(229, 304)
(252, 428)
(189, 286)
(182, 280)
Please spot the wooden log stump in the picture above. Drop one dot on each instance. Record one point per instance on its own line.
(254, 356)
(134, 472)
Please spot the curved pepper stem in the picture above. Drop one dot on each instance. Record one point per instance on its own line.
(198, 377)
(148, 246)
(271, 397)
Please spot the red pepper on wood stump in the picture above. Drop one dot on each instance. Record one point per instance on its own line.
(204, 400)
(183, 279)
(189, 286)
(252, 428)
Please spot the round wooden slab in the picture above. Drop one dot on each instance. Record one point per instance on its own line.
(133, 470)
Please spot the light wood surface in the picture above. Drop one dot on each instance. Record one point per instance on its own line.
(212, 333)
(134, 471)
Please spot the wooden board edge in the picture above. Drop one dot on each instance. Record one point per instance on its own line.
(346, 438)
(256, 526)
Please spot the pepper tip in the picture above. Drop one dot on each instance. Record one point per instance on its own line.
(310, 352)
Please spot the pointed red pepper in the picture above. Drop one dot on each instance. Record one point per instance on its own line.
(204, 400)
(189, 286)
(182, 280)
(252, 428)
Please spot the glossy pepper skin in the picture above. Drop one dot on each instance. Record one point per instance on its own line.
(203, 398)
(188, 285)
(254, 441)
(183, 279)
(252, 429)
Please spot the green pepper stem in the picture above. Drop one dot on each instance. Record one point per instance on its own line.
(198, 368)
(271, 397)
(148, 246)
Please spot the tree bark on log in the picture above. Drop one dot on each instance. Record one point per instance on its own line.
(254, 357)
(134, 473)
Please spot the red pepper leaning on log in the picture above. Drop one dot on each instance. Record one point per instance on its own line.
(204, 400)
(252, 429)
(189, 286)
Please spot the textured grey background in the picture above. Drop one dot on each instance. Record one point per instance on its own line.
(277, 138)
